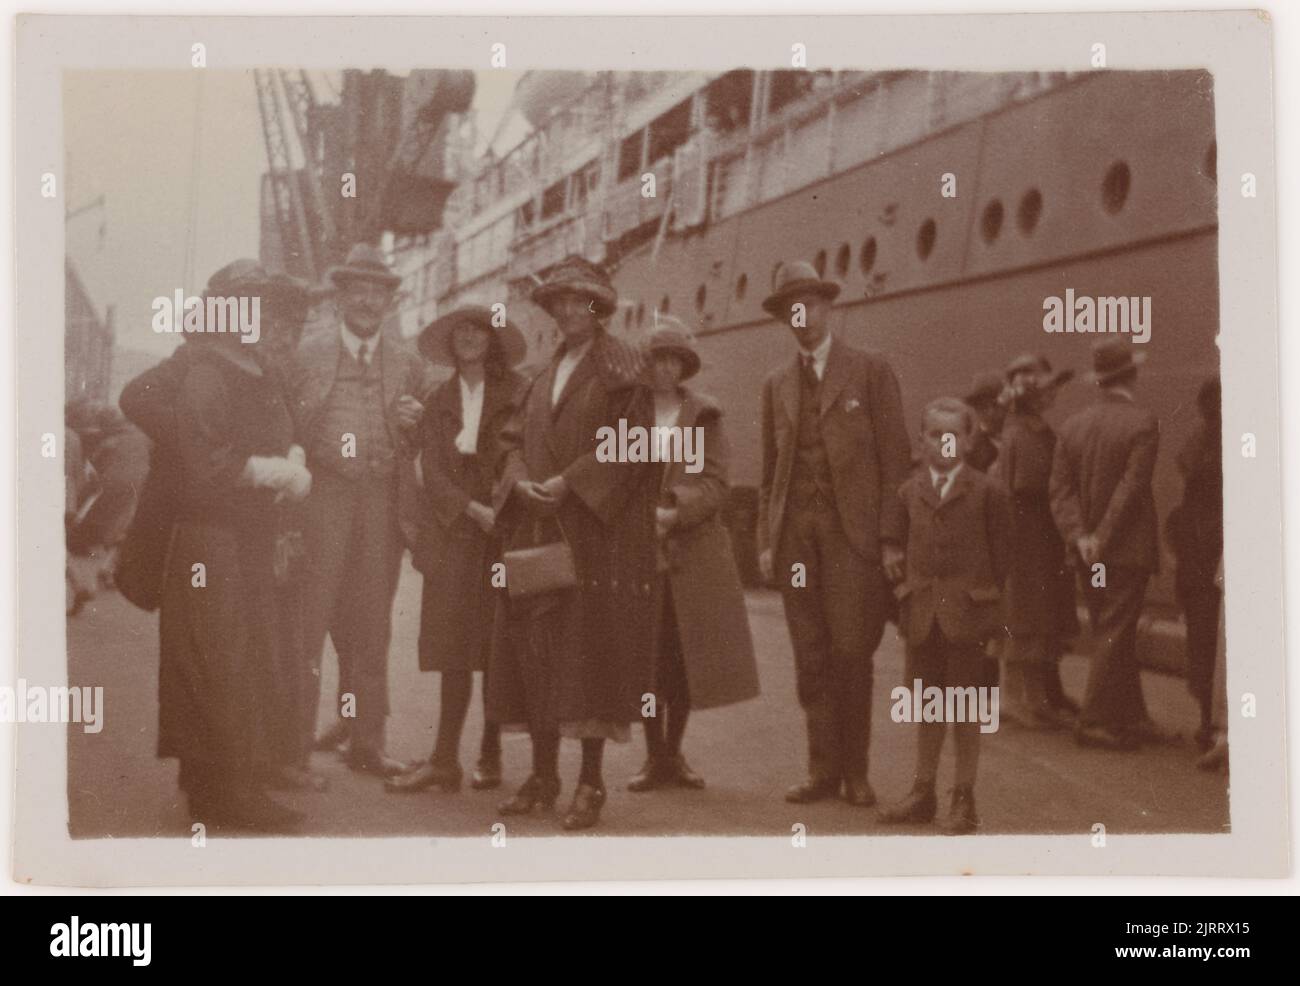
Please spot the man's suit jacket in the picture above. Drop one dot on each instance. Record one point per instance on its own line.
(958, 553)
(866, 441)
(402, 372)
(1101, 481)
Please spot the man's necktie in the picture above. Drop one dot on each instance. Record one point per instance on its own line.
(363, 357)
(940, 480)
(809, 370)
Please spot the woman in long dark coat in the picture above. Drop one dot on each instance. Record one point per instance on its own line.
(576, 661)
(704, 654)
(458, 544)
(1040, 604)
(219, 681)
(150, 401)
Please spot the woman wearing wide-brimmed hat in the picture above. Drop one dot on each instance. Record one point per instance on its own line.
(458, 541)
(704, 653)
(575, 660)
(1040, 602)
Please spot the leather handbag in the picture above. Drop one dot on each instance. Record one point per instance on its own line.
(541, 569)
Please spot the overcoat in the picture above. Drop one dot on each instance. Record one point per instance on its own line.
(577, 661)
(149, 402)
(1101, 481)
(1195, 526)
(712, 623)
(452, 552)
(1040, 582)
(221, 673)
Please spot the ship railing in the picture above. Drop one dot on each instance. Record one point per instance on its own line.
(539, 249)
(861, 116)
(627, 207)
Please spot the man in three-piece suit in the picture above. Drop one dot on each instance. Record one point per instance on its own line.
(357, 400)
(1103, 505)
(835, 451)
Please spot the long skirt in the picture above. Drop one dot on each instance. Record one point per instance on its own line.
(219, 649)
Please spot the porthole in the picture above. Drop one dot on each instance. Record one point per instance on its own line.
(1029, 211)
(819, 263)
(867, 259)
(701, 293)
(742, 283)
(1115, 187)
(991, 221)
(925, 237)
(842, 258)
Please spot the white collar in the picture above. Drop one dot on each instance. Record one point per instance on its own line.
(950, 477)
(819, 355)
(572, 355)
(352, 342)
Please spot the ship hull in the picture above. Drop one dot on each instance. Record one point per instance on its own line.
(975, 302)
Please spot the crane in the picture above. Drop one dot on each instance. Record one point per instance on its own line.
(301, 251)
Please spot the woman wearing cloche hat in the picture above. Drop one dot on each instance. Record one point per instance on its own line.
(704, 654)
(575, 660)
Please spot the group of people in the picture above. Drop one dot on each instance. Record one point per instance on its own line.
(105, 461)
(287, 480)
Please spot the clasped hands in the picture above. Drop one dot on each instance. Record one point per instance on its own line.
(542, 498)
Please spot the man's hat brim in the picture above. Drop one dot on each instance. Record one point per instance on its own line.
(434, 341)
(341, 274)
(1135, 360)
(777, 304)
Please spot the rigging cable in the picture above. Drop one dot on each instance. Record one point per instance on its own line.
(192, 227)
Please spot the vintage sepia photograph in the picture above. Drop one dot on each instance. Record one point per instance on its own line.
(614, 455)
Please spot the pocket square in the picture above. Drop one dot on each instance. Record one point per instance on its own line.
(852, 404)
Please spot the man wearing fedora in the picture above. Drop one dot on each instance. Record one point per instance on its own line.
(357, 398)
(985, 398)
(835, 451)
(1102, 502)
